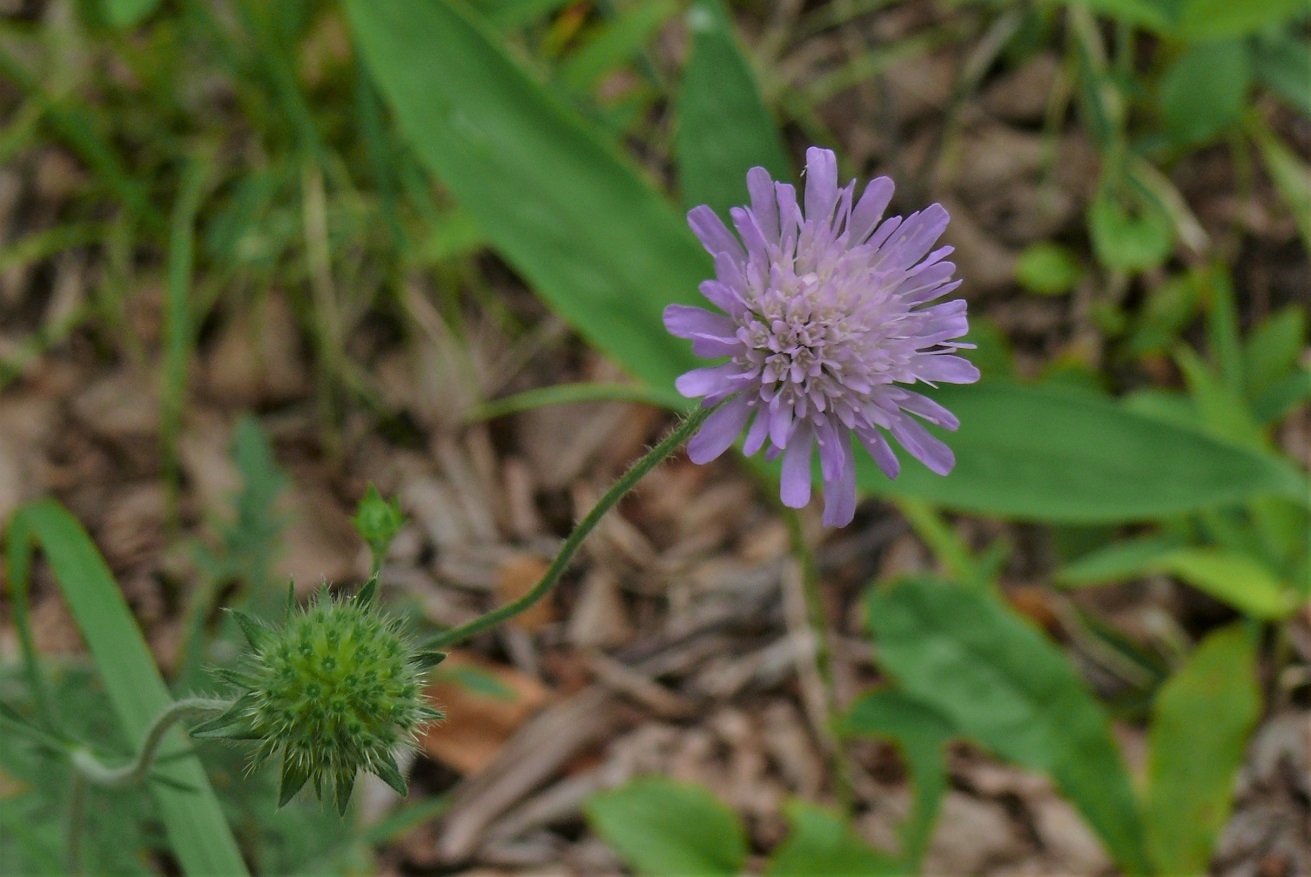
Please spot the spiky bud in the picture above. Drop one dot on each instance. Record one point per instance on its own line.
(335, 689)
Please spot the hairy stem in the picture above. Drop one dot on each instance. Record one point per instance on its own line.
(571, 545)
(93, 771)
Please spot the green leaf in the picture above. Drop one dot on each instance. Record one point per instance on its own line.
(1049, 454)
(1273, 348)
(1283, 63)
(124, 14)
(612, 44)
(1200, 724)
(197, 831)
(1118, 561)
(660, 827)
(553, 196)
(1048, 269)
(1130, 230)
(1205, 90)
(1222, 19)
(1291, 176)
(920, 732)
(1150, 14)
(821, 843)
(724, 128)
(1237, 579)
(1001, 682)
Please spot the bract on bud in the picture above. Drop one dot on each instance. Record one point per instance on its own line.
(335, 689)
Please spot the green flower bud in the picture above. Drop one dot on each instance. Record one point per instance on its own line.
(378, 521)
(335, 690)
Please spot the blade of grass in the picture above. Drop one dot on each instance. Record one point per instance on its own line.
(197, 831)
(179, 330)
(76, 130)
(565, 394)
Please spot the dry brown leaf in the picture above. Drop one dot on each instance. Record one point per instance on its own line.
(515, 576)
(478, 725)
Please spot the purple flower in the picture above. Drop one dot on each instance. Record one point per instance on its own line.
(824, 327)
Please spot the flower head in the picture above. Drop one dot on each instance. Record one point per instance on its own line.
(336, 689)
(826, 322)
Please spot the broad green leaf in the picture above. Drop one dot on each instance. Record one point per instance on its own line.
(920, 732)
(198, 833)
(1205, 90)
(123, 14)
(1237, 579)
(1048, 269)
(821, 843)
(1223, 19)
(1273, 348)
(557, 200)
(998, 680)
(1041, 453)
(1283, 63)
(1220, 405)
(1200, 724)
(724, 128)
(660, 827)
(1130, 231)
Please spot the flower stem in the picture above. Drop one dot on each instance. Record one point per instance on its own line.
(843, 783)
(571, 545)
(93, 771)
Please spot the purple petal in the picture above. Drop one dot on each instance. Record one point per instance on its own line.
(942, 322)
(821, 184)
(830, 440)
(705, 381)
(933, 282)
(719, 431)
(944, 367)
(745, 223)
(929, 410)
(794, 489)
(789, 216)
(764, 203)
(686, 321)
(869, 209)
(918, 234)
(781, 423)
(923, 446)
(714, 235)
(756, 433)
(878, 448)
(840, 492)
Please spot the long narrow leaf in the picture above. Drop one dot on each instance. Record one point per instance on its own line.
(198, 834)
(724, 128)
(554, 197)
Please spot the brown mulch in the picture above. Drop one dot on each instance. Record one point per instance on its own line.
(677, 644)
